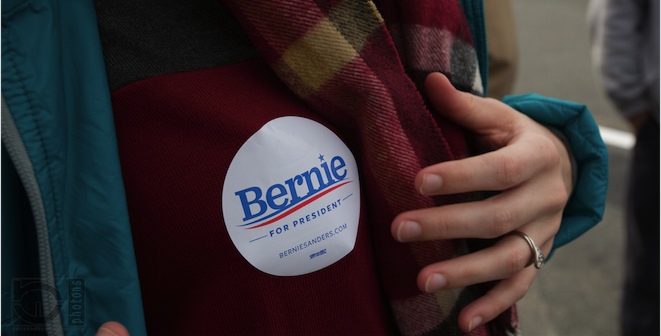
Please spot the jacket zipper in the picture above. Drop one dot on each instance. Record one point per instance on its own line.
(13, 142)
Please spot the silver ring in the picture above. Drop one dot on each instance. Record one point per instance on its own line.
(537, 257)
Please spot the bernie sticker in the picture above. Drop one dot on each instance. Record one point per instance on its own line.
(291, 198)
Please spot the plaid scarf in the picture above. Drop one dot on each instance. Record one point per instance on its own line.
(365, 79)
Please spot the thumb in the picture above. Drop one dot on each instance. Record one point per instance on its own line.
(112, 329)
(472, 112)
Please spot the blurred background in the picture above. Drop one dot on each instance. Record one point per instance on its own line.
(578, 292)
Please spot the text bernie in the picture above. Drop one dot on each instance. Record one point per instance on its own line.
(280, 197)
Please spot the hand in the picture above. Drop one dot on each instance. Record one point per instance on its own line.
(527, 163)
(112, 329)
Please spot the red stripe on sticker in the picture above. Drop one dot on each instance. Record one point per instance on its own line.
(294, 209)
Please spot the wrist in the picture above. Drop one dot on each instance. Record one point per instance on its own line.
(569, 165)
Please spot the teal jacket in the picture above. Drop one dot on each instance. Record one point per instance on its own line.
(62, 180)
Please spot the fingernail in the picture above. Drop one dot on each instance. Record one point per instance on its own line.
(474, 323)
(430, 184)
(435, 283)
(408, 231)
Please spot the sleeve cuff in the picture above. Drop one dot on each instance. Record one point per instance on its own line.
(586, 204)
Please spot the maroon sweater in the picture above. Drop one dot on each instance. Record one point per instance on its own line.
(188, 89)
(177, 135)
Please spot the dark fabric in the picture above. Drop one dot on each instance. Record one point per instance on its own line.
(177, 135)
(640, 311)
(339, 57)
(142, 39)
(144, 42)
(20, 259)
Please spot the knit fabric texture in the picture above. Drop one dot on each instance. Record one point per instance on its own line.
(343, 61)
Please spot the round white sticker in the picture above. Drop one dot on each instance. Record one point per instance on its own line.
(291, 198)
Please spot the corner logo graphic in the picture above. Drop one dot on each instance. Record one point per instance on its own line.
(291, 198)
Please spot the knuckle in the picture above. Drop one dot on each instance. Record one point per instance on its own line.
(492, 101)
(471, 101)
(553, 157)
(462, 176)
(517, 260)
(439, 229)
(509, 168)
(500, 305)
(558, 197)
(501, 220)
(549, 152)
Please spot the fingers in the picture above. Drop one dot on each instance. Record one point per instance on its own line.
(501, 261)
(498, 262)
(465, 109)
(112, 329)
(523, 146)
(508, 260)
(525, 157)
(535, 200)
(530, 165)
(506, 293)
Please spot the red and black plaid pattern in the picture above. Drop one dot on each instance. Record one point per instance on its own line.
(339, 57)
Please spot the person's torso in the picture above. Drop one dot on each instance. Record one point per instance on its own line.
(188, 91)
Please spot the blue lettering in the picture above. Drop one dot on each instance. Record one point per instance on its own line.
(246, 204)
(328, 173)
(335, 168)
(291, 183)
(275, 197)
(270, 198)
(308, 180)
